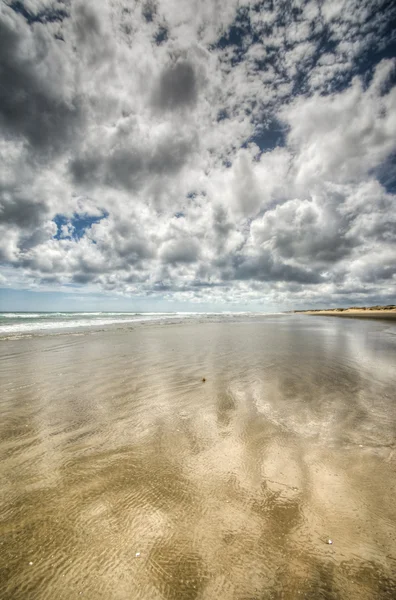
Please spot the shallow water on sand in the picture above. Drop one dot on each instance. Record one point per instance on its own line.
(124, 475)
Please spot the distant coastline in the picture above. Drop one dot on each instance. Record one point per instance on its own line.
(372, 312)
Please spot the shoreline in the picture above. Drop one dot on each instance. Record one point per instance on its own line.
(357, 313)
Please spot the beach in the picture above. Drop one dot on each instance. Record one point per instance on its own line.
(202, 457)
(357, 313)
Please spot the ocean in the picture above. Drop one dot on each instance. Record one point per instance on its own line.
(197, 457)
(28, 322)
(20, 323)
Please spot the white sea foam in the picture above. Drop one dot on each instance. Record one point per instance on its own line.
(75, 320)
(21, 315)
(24, 323)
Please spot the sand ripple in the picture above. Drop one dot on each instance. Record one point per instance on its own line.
(124, 475)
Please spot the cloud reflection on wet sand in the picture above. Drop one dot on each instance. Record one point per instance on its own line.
(124, 475)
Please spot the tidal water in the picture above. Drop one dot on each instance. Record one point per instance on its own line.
(124, 475)
(13, 324)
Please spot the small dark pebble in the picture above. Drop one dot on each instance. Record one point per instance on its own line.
(203, 379)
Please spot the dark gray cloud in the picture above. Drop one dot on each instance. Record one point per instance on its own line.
(87, 24)
(83, 277)
(129, 166)
(128, 243)
(17, 209)
(182, 250)
(32, 103)
(222, 224)
(265, 268)
(135, 250)
(86, 170)
(177, 87)
(379, 273)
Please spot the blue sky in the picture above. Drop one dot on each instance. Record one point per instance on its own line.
(197, 156)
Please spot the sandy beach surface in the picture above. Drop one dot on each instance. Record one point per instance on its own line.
(125, 475)
(354, 313)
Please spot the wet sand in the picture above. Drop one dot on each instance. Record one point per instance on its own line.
(351, 313)
(124, 475)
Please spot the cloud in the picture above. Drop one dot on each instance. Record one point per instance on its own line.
(37, 100)
(122, 164)
(342, 136)
(180, 251)
(20, 211)
(177, 87)
(213, 151)
(264, 267)
(310, 230)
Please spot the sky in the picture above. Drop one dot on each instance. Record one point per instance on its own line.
(201, 155)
